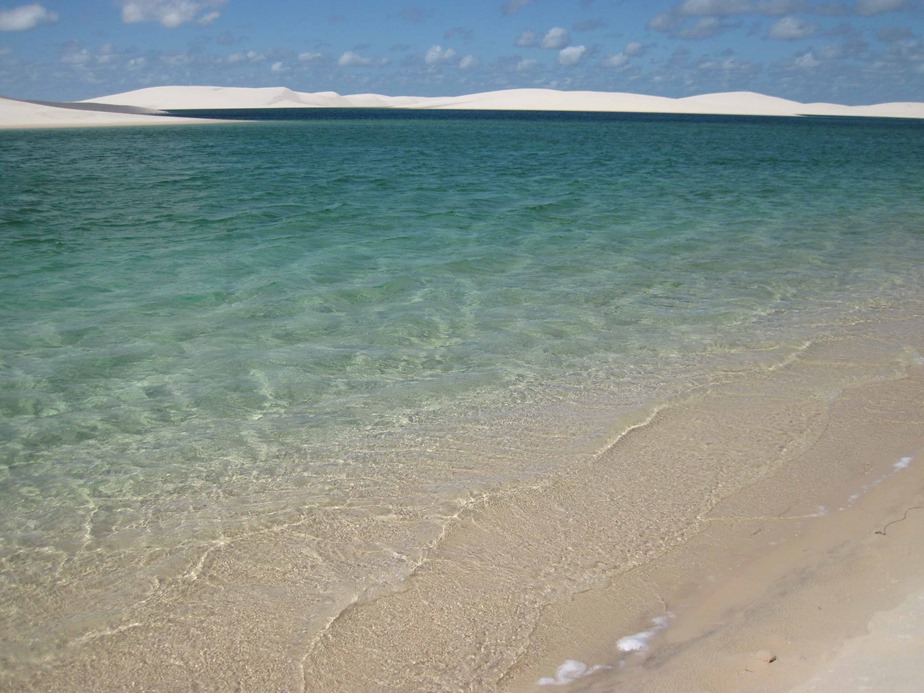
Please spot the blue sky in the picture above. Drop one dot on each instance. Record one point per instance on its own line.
(845, 51)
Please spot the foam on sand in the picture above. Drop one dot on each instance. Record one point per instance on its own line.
(569, 672)
(639, 641)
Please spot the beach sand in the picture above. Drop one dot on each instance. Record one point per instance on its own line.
(804, 540)
(811, 579)
(802, 570)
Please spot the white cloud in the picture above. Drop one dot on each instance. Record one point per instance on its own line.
(176, 59)
(77, 57)
(871, 7)
(246, 57)
(437, 55)
(106, 54)
(791, 28)
(351, 59)
(666, 21)
(170, 13)
(556, 38)
(617, 61)
(25, 17)
(634, 48)
(278, 66)
(571, 55)
(468, 62)
(310, 57)
(527, 39)
(807, 60)
(527, 64)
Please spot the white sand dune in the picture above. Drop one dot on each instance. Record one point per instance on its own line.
(731, 103)
(15, 114)
(26, 114)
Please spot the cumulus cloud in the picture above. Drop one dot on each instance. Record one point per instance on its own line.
(807, 61)
(437, 55)
(25, 17)
(351, 59)
(468, 62)
(278, 66)
(634, 48)
(80, 56)
(527, 64)
(665, 22)
(170, 13)
(556, 38)
(310, 57)
(571, 55)
(618, 61)
(791, 28)
(526, 39)
(246, 57)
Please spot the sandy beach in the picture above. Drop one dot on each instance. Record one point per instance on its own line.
(810, 580)
(798, 565)
(25, 114)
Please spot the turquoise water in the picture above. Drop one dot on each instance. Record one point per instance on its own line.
(207, 331)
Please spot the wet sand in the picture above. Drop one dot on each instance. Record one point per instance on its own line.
(809, 579)
(747, 534)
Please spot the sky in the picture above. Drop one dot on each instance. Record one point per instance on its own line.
(843, 51)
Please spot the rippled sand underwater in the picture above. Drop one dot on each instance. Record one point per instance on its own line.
(260, 381)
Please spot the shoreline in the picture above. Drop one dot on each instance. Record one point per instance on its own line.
(819, 428)
(783, 586)
(629, 481)
(530, 577)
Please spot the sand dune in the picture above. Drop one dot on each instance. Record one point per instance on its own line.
(122, 109)
(16, 114)
(731, 103)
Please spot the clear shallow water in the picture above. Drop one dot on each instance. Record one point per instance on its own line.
(215, 334)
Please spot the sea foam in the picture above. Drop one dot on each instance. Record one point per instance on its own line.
(639, 641)
(570, 671)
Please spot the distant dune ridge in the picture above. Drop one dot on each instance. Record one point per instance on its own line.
(14, 113)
